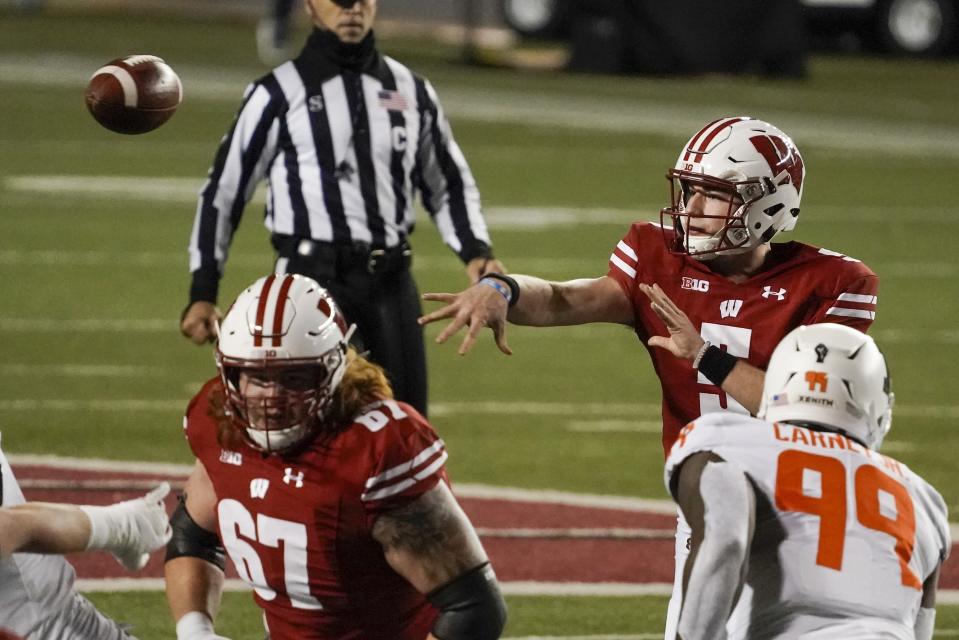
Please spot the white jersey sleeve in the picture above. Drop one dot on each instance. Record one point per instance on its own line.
(33, 587)
(843, 533)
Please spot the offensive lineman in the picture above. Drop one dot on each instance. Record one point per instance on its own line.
(705, 291)
(330, 498)
(801, 529)
(37, 598)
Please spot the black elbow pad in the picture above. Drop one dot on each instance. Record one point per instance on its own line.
(191, 540)
(471, 607)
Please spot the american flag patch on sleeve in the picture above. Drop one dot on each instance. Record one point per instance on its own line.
(393, 100)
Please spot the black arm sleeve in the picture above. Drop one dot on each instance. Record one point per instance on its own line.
(191, 540)
(471, 607)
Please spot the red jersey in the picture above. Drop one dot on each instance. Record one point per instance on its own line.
(800, 284)
(297, 528)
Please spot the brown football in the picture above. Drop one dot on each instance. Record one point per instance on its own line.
(134, 94)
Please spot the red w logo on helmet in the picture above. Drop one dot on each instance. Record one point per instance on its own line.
(780, 156)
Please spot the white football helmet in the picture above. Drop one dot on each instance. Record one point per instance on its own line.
(286, 335)
(753, 162)
(832, 376)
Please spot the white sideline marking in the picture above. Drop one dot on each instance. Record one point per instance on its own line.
(575, 533)
(518, 588)
(594, 266)
(80, 370)
(614, 426)
(438, 409)
(467, 490)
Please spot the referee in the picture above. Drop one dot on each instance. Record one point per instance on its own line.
(345, 137)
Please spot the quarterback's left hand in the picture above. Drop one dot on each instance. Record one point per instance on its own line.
(683, 340)
(132, 529)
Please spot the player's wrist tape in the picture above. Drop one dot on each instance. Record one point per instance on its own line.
(102, 525)
(499, 286)
(715, 364)
(194, 624)
(510, 282)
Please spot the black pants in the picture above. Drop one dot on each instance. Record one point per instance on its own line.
(384, 305)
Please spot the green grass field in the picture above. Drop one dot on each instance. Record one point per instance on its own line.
(95, 273)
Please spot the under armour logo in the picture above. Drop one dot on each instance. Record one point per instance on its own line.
(289, 477)
(821, 352)
(258, 487)
(315, 103)
(769, 293)
(730, 308)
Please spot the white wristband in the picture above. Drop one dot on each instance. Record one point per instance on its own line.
(700, 354)
(194, 624)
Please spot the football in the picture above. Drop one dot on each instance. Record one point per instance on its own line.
(134, 94)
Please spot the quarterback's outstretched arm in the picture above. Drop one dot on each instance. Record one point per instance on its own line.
(130, 530)
(194, 566)
(432, 544)
(719, 504)
(538, 303)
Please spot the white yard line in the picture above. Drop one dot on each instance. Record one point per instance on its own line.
(848, 135)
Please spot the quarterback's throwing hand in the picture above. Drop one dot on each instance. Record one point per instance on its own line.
(477, 307)
(683, 340)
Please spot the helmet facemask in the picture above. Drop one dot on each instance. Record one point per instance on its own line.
(278, 404)
(281, 355)
(734, 237)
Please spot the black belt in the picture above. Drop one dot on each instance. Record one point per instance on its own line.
(346, 257)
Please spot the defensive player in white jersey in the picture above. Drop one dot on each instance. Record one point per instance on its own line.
(37, 599)
(801, 528)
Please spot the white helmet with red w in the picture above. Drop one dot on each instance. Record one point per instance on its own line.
(281, 354)
(760, 170)
(832, 376)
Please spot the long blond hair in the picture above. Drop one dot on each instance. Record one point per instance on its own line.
(363, 383)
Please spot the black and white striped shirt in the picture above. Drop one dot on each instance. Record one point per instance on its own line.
(344, 151)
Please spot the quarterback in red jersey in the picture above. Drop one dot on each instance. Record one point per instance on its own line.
(705, 290)
(330, 498)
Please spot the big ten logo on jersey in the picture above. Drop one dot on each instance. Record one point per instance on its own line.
(734, 341)
(816, 485)
(376, 418)
(694, 284)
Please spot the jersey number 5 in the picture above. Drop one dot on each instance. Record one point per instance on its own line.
(236, 520)
(830, 505)
(736, 340)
